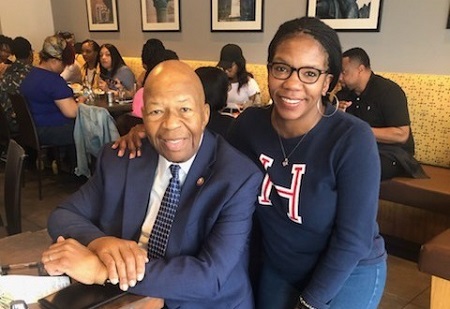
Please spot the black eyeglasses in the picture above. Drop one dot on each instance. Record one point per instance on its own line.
(283, 71)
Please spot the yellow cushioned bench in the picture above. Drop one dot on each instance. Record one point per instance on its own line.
(429, 109)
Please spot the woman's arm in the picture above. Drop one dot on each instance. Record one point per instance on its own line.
(68, 107)
(253, 89)
(126, 78)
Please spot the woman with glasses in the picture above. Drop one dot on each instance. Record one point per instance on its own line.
(318, 201)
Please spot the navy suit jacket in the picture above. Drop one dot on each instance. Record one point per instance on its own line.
(206, 264)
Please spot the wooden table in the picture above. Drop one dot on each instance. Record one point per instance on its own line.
(115, 109)
(28, 247)
(24, 247)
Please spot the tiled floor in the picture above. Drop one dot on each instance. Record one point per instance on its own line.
(406, 287)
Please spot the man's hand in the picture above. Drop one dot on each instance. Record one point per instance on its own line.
(343, 105)
(131, 141)
(124, 260)
(68, 256)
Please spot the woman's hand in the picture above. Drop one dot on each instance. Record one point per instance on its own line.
(103, 85)
(119, 85)
(121, 90)
(81, 99)
(131, 142)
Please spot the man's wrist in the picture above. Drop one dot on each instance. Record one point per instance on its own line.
(102, 277)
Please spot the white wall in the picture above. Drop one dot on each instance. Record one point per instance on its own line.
(32, 19)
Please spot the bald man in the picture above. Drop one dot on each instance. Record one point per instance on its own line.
(103, 230)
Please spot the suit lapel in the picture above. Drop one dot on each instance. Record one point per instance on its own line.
(198, 175)
(139, 182)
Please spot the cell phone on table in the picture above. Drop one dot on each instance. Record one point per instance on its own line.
(77, 295)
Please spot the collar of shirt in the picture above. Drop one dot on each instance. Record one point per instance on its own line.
(163, 172)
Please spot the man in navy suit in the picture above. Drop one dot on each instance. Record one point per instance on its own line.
(102, 231)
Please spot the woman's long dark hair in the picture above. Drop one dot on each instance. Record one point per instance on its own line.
(116, 61)
(215, 84)
(158, 57)
(242, 74)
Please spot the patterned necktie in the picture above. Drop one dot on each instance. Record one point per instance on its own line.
(159, 236)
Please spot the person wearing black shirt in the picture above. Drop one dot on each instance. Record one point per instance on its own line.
(383, 104)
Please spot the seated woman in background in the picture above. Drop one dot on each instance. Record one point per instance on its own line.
(13, 77)
(49, 98)
(114, 74)
(90, 71)
(244, 90)
(156, 57)
(150, 50)
(72, 72)
(215, 84)
(126, 121)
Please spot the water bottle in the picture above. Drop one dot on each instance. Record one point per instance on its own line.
(110, 97)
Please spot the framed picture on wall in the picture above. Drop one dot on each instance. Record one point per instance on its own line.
(448, 20)
(237, 15)
(102, 15)
(347, 15)
(160, 15)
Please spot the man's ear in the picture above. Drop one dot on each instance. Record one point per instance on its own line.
(207, 111)
(361, 68)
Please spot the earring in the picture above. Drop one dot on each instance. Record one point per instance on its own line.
(330, 94)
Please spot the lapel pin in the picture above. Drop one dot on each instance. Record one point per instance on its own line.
(200, 181)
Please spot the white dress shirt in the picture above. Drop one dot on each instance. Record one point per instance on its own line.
(162, 178)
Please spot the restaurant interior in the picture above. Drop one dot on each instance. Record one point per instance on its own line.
(408, 41)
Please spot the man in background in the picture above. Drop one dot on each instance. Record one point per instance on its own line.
(383, 104)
